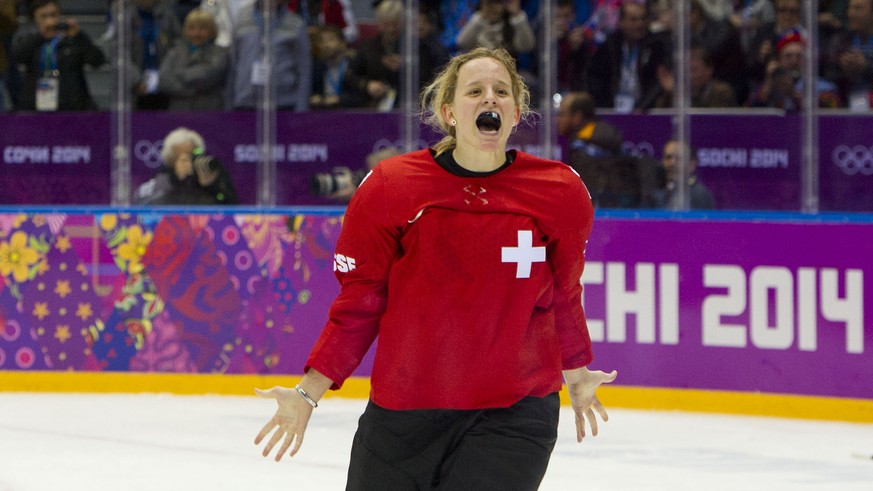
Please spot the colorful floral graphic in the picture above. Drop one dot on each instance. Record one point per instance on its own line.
(171, 293)
(16, 258)
(132, 251)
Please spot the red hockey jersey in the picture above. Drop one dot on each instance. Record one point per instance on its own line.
(472, 284)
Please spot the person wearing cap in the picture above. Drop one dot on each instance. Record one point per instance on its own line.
(465, 260)
(762, 46)
(783, 86)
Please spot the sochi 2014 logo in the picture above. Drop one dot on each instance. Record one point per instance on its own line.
(854, 160)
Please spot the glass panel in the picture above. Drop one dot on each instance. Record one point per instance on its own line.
(782, 144)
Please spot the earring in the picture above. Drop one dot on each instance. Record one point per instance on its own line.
(454, 122)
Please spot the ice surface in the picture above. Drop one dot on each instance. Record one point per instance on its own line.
(154, 442)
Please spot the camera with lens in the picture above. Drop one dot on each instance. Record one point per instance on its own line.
(341, 180)
(62, 27)
(199, 155)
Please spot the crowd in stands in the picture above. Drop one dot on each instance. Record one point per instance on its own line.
(208, 55)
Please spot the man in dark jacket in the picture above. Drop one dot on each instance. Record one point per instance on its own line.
(55, 51)
(623, 68)
(594, 151)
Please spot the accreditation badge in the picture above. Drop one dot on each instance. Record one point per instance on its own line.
(259, 73)
(859, 101)
(47, 89)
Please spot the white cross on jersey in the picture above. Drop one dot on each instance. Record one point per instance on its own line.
(524, 255)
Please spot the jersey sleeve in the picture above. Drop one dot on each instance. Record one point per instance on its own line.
(568, 262)
(365, 250)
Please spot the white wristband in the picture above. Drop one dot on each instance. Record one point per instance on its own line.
(305, 396)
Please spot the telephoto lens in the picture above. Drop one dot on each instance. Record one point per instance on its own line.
(325, 184)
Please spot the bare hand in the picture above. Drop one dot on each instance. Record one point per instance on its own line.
(377, 89)
(74, 27)
(290, 421)
(583, 398)
(853, 62)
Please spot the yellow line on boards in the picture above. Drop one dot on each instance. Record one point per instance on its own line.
(746, 403)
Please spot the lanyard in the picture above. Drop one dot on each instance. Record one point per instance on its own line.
(631, 54)
(49, 56)
(335, 77)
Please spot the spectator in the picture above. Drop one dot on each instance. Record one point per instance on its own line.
(832, 15)
(337, 13)
(498, 23)
(574, 48)
(378, 60)
(432, 54)
(333, 83)
(155, 30)
(594, 151)
(604, 19)
(752, 15)
(194, 72)
(454, 15)
(700, 196)
(588, 138)
(220, 10)
(783, 86)
(762, 47)
(850, 57)
(56, 52)
(660, 96)
(706, 90)
(378, 63)
(189, 176)
(623, 67)
(8, 25)
(291, 65)
(722, 41)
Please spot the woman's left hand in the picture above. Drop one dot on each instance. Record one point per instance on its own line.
(205, 175)
(582, 386)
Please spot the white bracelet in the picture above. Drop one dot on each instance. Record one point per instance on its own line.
(305, 396)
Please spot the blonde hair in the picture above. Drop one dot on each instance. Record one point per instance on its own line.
(442, 91)
(202, 18)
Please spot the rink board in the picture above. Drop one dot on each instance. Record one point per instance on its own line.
(717, 312)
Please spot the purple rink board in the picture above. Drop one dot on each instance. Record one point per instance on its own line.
(751, 162)
(767, 304)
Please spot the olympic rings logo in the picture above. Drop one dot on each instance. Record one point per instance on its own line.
(149, 153)
(384, 144)
(853, 160)
(638, 149)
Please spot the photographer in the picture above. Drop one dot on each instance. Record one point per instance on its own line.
(189, 175)
(55, 51)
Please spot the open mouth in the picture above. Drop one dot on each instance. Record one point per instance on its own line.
(488, 121)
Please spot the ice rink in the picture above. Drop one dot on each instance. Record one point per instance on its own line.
(154, 442)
